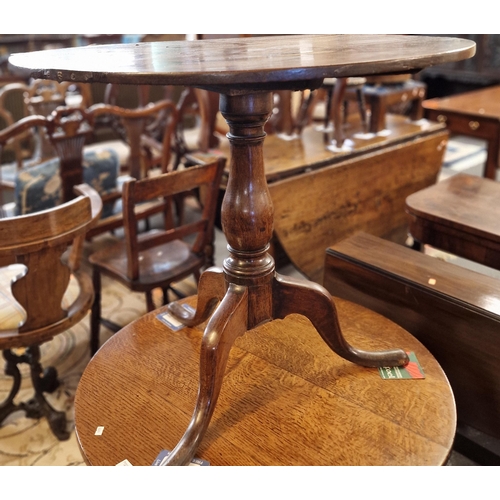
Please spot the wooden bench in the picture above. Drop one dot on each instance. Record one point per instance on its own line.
(453, 311)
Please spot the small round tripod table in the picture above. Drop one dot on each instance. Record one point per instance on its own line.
(287, 399)
(247, 291)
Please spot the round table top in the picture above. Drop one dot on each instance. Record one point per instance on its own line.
(286, 398)
(256, 62)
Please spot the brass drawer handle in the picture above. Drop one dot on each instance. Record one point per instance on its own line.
(441, 118)
(473, 125)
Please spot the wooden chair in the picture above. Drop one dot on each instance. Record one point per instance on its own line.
(45, 184)
(157, 258)
(12, 109)
(12, 100)
(12, 137)
(398, 94)
(47, 294)
(44, 96)
(282, 121)
(13, 154)
(338, 90)
(196, 135)
(196, 130)
(148, 131)
(336, 94)
(69, 130)
(126, 96)
(291, 113)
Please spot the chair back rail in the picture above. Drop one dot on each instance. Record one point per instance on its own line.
(202, 106)
(70, 129)
(167, 186)
(152, 121)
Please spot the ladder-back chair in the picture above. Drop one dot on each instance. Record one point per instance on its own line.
(158, 258)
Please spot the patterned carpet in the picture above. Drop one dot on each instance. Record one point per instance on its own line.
(26, 441)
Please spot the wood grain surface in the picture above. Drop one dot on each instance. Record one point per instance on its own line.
(319, 208)
(255, 62)
(484, 103)
(474, 114)
(452, 310)
(288, 156)
(459, 216)
(286, 398)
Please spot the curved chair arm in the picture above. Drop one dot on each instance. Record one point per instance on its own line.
(95, 201)
(75, 255)
(21, 125)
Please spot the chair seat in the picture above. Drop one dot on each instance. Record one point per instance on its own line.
(153, 269)
(122, 149)
(12, 315)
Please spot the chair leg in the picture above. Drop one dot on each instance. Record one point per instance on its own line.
(7, 407)
(197, 275)
(165, 295)
(43, 381)
(179, 208)
(95, 317)
(362, 108)
(149, 301)
(337, 100)
(328, 111)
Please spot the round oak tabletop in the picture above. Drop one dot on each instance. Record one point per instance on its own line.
(267, 62)
(286, 399)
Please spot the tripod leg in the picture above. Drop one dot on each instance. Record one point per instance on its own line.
(211, 289)
(228, 322)
(315, 303)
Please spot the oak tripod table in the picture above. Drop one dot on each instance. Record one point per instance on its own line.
(247, 291)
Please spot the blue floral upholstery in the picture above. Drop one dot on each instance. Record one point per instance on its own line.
(39, 187)
(100, 170)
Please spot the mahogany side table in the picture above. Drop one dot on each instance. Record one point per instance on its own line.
(475, 114)
(248, 292)
(458, 215)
